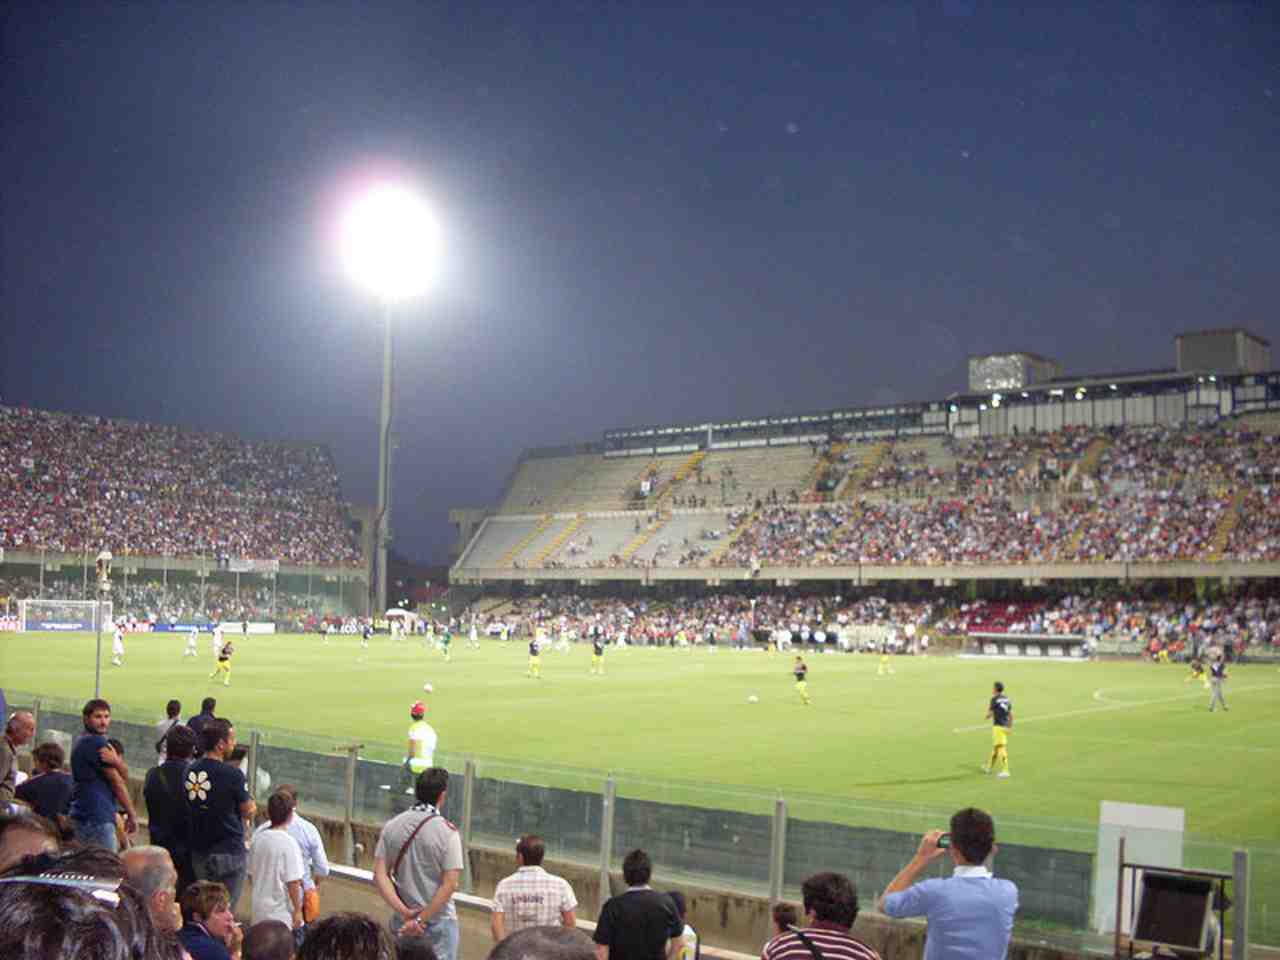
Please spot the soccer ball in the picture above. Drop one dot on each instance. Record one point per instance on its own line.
(753, 699)
(428, 687)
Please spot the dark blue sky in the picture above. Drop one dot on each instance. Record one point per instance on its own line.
(650, 214)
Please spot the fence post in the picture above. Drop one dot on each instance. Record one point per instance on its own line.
(606, 836)
(254, 744)
(35, 716)
(468, 804)
(777, 850)
(1240, 896)
(349, 803)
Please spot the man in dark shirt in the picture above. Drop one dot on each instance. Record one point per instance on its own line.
(168, 813)
(207, 706)
(639, 924)
(48, 791)
(1000, 713)
(220, 805)
(98, 773)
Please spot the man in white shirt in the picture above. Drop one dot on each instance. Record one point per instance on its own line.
(531, 897)
(315, 864)
(117, 647)
(275, 866)
(191, 643)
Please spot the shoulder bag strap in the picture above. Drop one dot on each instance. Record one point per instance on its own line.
(395, 868)
(812, 947)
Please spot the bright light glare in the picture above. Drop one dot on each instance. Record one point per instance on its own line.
(390, 242)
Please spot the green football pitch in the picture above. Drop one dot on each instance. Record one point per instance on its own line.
(679, 725)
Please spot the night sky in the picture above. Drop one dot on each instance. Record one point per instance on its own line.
(650, 214)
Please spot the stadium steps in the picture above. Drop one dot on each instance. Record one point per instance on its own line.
(1087, 465)
(1226, 527)
(509, 558)
(714, 557)
(681, 474)
(858, 476)
(559, 541)
(825, 462)
(643, 537)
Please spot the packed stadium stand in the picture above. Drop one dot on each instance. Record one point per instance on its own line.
(71, 483)
(1146, 493)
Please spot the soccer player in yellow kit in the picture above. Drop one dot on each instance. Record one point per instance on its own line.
(1000, 712)
(535, 660)
(223, 666)
(597, 654)
(801, 671)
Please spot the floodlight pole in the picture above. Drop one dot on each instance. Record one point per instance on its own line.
(382, 535)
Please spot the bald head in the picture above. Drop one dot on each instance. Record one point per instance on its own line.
(150, 871)
(20, 728)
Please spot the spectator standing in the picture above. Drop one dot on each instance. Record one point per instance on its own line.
(19, 730)
(99, 784)
(48, 790)
(172, 718)
(416, 866)
(689, 948)
(315, 865)
(275, 864)
(220, 807)
(830, 907)
(150, 871)
(531, 897)
(970, 913)
(207, 706)
(168, 812)
(639, 923)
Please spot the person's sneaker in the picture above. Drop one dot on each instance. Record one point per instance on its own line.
(1003, 775)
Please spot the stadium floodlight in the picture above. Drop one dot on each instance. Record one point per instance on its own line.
(389, 244)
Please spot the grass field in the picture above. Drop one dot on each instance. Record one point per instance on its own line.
(678, 724)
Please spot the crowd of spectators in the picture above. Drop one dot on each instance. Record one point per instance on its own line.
(73, 483)
(1242, 619)
(695, 619)
(184, 601)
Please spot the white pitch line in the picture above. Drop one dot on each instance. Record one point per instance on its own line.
(1112, 706)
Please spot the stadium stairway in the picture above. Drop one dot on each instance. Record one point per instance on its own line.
(856, 479)
(644, 537)
(1087, 465)
(1226, 526)
(509, 558)
(714, 557)
(549, 550)
(825, 462)
(681, 474)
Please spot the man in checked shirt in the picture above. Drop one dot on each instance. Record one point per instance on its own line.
(531, 897)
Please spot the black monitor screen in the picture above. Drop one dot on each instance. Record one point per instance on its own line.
(1172, 909)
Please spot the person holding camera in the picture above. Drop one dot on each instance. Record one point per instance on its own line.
(971, 912)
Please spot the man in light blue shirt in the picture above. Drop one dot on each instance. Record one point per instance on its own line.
(315, 865)
(970, 913)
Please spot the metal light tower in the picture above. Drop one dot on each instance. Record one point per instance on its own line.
(102, 567)
(390, 245)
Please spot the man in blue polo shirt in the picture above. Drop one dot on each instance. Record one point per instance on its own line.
(98, 775)
(970, 913)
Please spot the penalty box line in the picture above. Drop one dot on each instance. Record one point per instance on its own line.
(1110, 707)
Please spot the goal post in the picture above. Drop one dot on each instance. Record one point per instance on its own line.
(63, 615)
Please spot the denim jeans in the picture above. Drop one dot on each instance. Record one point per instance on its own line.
(227, 869)
(443, 934)
(96, 834)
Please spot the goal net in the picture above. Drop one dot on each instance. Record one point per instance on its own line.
(63, 614)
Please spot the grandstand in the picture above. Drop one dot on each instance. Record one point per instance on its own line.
(198, 522)
(1168, 474)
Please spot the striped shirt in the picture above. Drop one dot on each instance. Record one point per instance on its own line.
(531, 897)
(833, 942)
